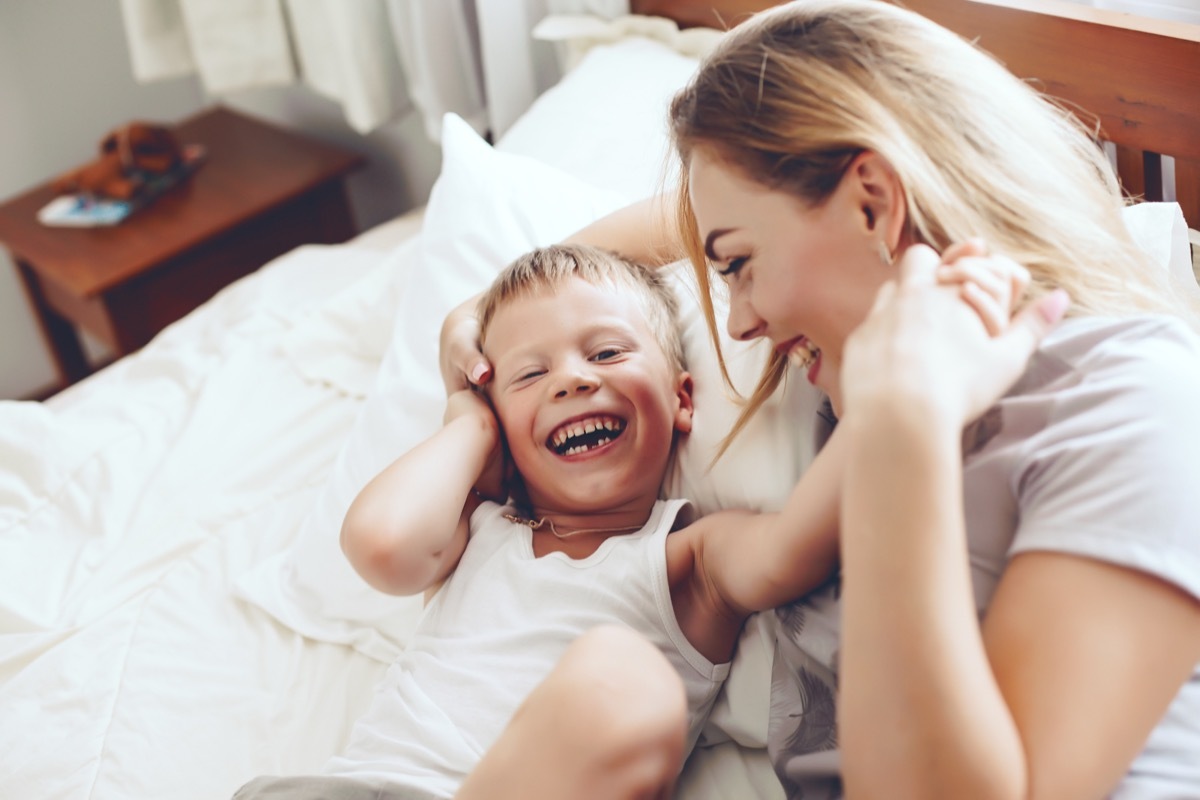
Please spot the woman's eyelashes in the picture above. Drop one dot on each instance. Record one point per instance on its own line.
(733, 266)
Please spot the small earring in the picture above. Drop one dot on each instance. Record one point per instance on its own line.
(885, 255)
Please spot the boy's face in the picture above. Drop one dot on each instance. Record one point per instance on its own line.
(588, 401)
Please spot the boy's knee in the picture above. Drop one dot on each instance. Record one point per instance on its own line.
(609, 721)
(626, 695)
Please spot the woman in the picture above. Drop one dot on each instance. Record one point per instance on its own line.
(1019, 609)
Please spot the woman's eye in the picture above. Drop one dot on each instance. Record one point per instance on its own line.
(732, 267)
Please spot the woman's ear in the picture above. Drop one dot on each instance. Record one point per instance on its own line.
(881, 198)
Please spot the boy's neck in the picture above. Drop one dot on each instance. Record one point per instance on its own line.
(592, 524)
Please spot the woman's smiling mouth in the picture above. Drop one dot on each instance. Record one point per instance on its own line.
(801, 352)
(584, 434)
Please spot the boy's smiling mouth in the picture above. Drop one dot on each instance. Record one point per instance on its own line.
(583, 434)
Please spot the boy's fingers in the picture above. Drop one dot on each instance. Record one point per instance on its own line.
(970, 270)
(480, 373)
(970, 247)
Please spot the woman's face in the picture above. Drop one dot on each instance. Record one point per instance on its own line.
(803, 277)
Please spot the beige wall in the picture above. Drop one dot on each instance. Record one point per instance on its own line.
(65, 81)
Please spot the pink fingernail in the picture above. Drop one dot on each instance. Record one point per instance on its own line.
(478, 373)
(1054, 306)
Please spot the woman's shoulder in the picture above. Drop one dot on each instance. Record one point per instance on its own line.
(1113, 387)
(1150, 337)
(1148, 355)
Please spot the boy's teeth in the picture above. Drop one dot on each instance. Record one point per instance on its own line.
(583, 448)
(583, 428)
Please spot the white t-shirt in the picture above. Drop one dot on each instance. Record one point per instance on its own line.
(494, 631)
(1094, 452)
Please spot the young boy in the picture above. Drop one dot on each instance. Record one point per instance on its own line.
(588, 397)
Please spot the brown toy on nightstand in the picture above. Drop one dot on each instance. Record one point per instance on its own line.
(262, 191)
(128, 157)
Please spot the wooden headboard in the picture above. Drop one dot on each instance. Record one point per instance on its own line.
(1139, 77)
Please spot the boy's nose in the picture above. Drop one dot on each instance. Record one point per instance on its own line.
(575, 382)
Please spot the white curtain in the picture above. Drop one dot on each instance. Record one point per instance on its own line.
(377, 58)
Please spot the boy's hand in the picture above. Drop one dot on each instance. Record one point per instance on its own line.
(469, 402)
(460, 359)
(993, 285)
(493, 481)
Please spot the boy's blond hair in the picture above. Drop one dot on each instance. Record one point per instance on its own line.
(547, 268)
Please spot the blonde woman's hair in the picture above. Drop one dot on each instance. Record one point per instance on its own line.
(791, 96)
(548, 268)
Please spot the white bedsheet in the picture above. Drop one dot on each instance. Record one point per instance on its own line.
(127, 507)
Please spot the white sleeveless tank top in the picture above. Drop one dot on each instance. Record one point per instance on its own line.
(495, 630)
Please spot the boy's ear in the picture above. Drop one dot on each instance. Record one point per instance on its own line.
(683, 414)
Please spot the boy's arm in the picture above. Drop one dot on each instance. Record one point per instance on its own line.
(407, 528)
(758, 561)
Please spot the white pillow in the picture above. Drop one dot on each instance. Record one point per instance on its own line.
(1160, 230)
(605, 122)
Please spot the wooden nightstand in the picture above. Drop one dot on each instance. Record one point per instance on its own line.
(261, 192)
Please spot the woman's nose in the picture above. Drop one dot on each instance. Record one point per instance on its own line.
(743, 323)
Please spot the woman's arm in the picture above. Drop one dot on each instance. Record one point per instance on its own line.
(754, 562)
(643, 232)
(1077, 660)
(407, 528)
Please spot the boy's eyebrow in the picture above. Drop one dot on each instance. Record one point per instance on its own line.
(712, 237)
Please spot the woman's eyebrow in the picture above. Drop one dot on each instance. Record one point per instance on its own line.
(712, 237)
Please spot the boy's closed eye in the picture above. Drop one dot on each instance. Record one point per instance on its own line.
(607, 354)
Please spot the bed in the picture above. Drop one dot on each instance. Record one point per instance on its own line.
(175, 616)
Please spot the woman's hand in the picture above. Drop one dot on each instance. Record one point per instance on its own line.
(460, 359)
(946, 347)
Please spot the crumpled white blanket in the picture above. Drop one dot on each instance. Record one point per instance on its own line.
(128, 505)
